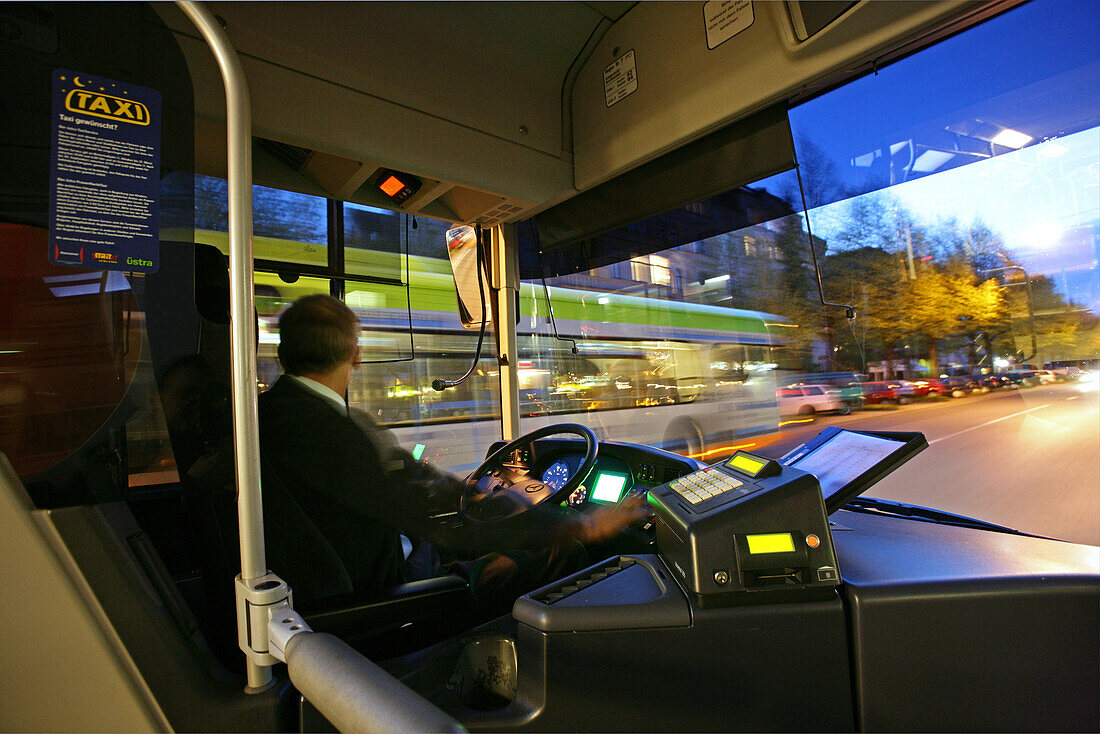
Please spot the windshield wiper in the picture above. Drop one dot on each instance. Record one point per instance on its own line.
(886, 507)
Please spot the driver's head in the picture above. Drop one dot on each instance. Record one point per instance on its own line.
(317, 335)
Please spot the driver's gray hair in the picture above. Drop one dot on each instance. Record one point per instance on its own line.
(316, 334)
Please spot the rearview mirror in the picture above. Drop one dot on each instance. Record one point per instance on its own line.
(471, 281)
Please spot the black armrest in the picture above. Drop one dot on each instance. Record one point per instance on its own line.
(443, 601)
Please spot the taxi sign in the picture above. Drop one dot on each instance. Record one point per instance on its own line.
(104, 174)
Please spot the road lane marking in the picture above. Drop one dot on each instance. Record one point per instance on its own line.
(988, 423)
(1074, 397)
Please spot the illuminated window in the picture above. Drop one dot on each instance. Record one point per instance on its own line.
(651, 269)
(658, 270)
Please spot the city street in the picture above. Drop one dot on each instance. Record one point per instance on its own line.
(1027, 459)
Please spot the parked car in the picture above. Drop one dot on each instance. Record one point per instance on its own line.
(958, 387)
(1046, 377)
(883, 392)
(1069, 370)
(1066, 374)
(848, 383)
(810, 399)
(993, 382)
(1026, 378)
(912, 388)
(932, 385)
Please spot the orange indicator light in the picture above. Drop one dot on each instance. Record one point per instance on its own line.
(392, 185)
(812, 540)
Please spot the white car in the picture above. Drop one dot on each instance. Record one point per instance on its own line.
(1046, 377)
(1065, 374)
(810, 399)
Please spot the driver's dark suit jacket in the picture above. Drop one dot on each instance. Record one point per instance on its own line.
(361, 490)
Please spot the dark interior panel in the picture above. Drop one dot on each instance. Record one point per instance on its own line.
(991, 632)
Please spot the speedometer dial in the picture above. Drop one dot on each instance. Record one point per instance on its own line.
(556, 475)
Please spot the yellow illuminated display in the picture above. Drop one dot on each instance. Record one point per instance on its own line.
(770, 543)
(746, 463)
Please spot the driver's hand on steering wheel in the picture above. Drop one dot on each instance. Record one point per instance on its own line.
(607, 522)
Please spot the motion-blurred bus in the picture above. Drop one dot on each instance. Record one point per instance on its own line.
(701, 376)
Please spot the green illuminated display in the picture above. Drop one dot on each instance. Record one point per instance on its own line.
(609, 487)
(418, 451)
(770, 543)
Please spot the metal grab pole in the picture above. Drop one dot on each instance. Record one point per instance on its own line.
(506, 280)
(243, 328)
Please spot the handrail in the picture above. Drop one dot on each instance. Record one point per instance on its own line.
(354, 694)
(242, 320)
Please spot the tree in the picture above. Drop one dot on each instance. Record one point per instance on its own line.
(868, 279)
(793, 294)
(820, 175)
(981, 310)
(930, 308)
(868, 221)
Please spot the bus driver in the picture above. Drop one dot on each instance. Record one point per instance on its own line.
(362, 491)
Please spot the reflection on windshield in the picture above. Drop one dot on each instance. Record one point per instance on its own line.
(961, 222)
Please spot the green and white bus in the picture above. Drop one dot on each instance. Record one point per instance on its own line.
(701, 375)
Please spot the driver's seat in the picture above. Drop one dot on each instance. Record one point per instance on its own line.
(403, 618)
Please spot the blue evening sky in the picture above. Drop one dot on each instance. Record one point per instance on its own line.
(1035, 70)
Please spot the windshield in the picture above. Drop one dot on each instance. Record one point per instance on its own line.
(961, 216)
(955, 212)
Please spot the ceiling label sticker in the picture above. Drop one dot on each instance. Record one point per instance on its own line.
(620, 78)
(724, 19)
(104, 173)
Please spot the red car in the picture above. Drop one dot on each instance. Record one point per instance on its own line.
(910, 389)
(934, 385)
(880, 392)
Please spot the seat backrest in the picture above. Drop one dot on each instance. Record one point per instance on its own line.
(296, 550)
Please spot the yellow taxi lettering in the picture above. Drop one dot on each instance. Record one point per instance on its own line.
(100, 104)
(107, 106)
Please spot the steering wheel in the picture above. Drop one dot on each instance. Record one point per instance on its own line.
(528, 492)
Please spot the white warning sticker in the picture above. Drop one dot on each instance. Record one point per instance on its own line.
(725, 19)
(620, 78)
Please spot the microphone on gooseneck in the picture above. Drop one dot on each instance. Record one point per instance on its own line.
(440, 385)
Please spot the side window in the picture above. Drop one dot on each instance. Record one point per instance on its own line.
(728, 364)
(287, 227)
(687, 370)
(392, 270)
(60, 389)
(76, 378)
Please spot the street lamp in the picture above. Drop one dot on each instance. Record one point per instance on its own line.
(1030, 305)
